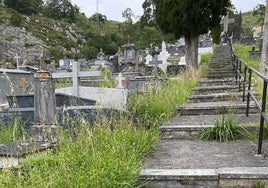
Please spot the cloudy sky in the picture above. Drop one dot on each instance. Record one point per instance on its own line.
(113, 8)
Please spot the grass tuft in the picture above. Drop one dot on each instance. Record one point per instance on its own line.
(225, 130)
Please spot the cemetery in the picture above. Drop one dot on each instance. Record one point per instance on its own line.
(81, 107)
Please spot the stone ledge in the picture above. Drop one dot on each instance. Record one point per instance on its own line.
(222, 177)
(184, 127)
(244, 173)
(22, 148)
(14, 153)
(180, 174)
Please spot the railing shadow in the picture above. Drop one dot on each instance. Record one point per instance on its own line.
(243, 76)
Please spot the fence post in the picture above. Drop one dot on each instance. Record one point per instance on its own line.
(262, 118)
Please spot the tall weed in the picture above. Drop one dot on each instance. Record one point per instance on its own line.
(152, 109)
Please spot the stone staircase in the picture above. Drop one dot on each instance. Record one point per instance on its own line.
(216, 92)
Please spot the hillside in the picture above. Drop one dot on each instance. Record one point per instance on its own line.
(249, 21)
(28, 36)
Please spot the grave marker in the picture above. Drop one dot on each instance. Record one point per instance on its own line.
(225, 21)
(17, 57)
(156, 62)
(120, 78)
(76, 74)
(164, 55)
(45, 128)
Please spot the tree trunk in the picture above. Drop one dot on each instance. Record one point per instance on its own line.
(191, 49)
(264, 55)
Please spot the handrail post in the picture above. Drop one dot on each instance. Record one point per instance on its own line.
(236, 70)
(262, 118)
(239, 76)
(249, 88)
(244, 82)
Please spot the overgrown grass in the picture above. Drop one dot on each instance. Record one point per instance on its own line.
(104, 156)
(98, 157)
(243, 53)
(14, 130)
(152, 109)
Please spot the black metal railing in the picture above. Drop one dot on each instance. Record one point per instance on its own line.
(243, 76)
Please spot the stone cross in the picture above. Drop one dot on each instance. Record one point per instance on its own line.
(120, 78)
(17, 57)
(225, 21)
(76, 74)
(156, 62)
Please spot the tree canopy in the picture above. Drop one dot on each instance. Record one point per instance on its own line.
(192, 17)
(25, 6)
(189, 18)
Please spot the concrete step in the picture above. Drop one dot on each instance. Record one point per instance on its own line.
(215, 97)
(182, 131)
(216, 63)
(189, 127)
(218, 74)
(215, 89)
(213, 69)
(212, 82)
(221, 70)
(205, 108)
(209, 178)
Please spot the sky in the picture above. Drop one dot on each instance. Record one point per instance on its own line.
(113, 9)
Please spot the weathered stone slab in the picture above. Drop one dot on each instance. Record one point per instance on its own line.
(14, 153)
(106, 97)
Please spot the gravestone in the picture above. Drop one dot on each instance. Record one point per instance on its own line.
(163, 56)
(110, 98)
(205, 47)
(156, 62)
(64, 64)
(225, 21)
(76, 74)
(14, 82)
(45, 128)
(17, 57)
(120, 78)
(148, 59)
(101, 62)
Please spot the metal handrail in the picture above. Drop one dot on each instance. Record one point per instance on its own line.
(244, 77)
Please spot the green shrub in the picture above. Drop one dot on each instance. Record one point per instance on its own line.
(16, 19)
